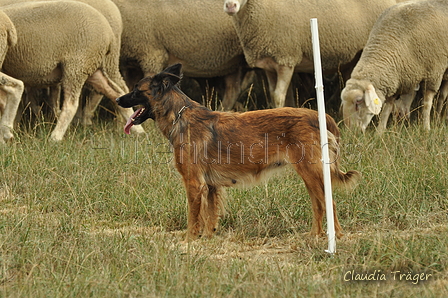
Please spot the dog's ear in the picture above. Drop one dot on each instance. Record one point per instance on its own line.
(167, 78)
(172, 75)
(175, 70)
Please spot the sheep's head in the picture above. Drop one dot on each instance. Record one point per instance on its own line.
(147, 93)
(232, 7)
(360, 103)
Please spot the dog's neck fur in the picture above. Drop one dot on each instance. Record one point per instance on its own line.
(168, 112)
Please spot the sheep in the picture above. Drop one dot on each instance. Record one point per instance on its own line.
(10, 87)
(110, 11)
(404, 103)
(276, 36)
(158, 33)
(401, 106)
(63, 42)
(442, 100)
(407, 46)
(113, 16)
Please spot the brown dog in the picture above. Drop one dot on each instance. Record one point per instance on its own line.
(214, 150)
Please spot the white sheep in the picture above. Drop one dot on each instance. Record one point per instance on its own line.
(276, 35)
(158, 33)
(408, 46)
(110, 11)
(404, 102)
(63, 42)
(11, 89)
(401, 106)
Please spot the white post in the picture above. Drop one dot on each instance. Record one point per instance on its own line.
(323, 137)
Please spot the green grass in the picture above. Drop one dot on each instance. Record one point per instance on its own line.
(103, 214)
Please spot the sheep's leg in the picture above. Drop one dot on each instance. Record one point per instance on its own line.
(92, 101)
(55, 99)
(427, 105)
(69, 108)
(248, 79)
(105, 86)
(284, 75)
(232, 90)
(14, 90)
(271, 76)
(443, 94)
(404, 103)
(384, 116)
(2, 104)
(33, 95)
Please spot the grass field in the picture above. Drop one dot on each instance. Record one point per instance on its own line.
(102, 214)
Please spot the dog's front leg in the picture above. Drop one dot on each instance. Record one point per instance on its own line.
(195, 191)
(211, 210)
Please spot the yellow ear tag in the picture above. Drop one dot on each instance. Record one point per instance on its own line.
(376, 101)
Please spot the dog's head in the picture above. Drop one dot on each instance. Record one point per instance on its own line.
(147, 92)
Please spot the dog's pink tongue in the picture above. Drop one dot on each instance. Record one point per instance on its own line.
(130, 122)
(127, 127)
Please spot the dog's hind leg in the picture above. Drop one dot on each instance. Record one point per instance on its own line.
(312, 175)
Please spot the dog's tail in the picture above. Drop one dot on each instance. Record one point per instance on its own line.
(338, 178)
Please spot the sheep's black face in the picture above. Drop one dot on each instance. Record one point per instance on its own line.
(140, 96)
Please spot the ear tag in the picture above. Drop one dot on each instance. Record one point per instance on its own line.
(373, 102)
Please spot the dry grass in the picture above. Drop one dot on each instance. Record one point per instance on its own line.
(103, 215)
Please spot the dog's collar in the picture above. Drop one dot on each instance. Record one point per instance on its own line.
(179, 114)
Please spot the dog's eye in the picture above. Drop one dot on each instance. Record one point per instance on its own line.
(135, 94)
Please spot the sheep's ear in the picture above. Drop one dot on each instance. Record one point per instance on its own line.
(373, 102)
